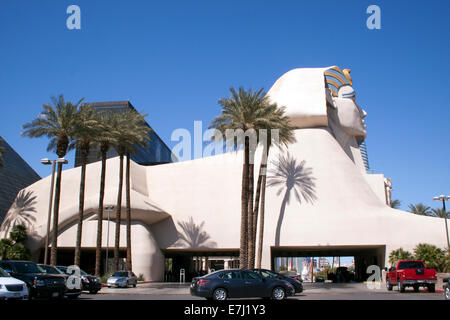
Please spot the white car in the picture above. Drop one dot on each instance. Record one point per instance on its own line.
(12, 288)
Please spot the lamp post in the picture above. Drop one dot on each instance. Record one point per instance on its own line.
(46, 161)
(108, 209)
(443, 199)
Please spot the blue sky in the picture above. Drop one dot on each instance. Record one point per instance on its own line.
(174, 59)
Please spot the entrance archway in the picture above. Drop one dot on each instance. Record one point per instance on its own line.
(364, 255)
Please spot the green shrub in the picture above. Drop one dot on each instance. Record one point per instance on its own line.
(141, 277)
(400, 254)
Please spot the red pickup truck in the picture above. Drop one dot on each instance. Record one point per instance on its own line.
(410, 273)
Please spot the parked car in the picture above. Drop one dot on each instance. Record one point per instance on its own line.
(224, 284)
(446, 287)
(410, 273)
(89, 283)
(293, 279)
(122, 279)
(11, 288)
(40, 284)
(70, 293)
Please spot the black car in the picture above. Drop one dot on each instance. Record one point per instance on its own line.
(71, 293)
(446, 287)
(268, 274)
(88, 282)
(234, 283)
(40, 284)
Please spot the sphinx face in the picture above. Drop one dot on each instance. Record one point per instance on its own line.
(349, 115)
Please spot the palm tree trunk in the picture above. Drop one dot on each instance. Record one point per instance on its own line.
(129, 264)
(243, 250)
(260, 193)
(118, 213)
(84, 153)
(98, 249)
(54, 249)
(251, 226)
(261, 220)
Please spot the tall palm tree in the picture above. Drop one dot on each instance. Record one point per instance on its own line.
(103, 141)
(57, 123)
(294, 178)
(85, 131)
(129, 130)
(420, 209)
(285, 136)
(246, 111)
(2, 152)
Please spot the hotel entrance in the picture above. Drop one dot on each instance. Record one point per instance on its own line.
(181, 265)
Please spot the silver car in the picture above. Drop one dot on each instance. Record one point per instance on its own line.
(122, 279)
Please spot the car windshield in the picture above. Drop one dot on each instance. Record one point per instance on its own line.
(27, 267)
(50, 269)
(410, 265)
(120, 274)
(3, 273)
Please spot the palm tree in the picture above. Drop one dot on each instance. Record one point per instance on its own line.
(104, 141)
(129, 130)
(440, 213)
(285, 136)
(86, 129)
(57, 123)
(395, 204)
(420, 209)
(243, 112)
(294, 178)
(2, 152)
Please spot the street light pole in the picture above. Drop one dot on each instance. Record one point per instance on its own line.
(52, 184)
(108, 209)
(443, 199)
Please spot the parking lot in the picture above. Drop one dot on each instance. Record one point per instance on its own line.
(319, 291)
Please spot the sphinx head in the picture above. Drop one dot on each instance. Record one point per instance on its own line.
(317, 97)
(345, 112)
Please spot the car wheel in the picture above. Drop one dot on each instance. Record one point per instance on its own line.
(400, 286)
(278, 293)
(447, 293)
(220, 294)
(388, 286)
(416, 288)
(134, 285)
(431, 288)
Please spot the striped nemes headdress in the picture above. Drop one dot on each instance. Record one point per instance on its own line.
(335, 79)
